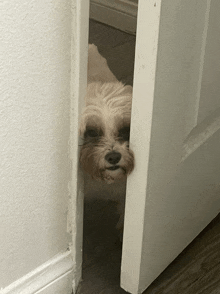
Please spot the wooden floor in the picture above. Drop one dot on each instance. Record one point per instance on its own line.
(195, 271)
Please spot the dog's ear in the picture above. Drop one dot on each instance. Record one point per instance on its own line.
(91, 92)
(128, 89)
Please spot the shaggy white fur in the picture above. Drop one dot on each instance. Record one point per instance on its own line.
(105, 126)
(105, 123)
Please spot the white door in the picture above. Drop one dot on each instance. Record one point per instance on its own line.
(173, 193)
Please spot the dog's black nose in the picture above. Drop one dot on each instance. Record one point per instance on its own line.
(113, 157)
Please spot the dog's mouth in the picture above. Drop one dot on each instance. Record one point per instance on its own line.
(113, 174)
(113, 167)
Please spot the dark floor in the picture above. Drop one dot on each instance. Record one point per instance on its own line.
(195, 271)
(117, 47)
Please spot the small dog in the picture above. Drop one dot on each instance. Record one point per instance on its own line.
(105, 127)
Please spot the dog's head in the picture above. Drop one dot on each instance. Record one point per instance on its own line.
(105, 129)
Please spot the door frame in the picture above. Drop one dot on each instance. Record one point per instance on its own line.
(135, 203)
(78, 83)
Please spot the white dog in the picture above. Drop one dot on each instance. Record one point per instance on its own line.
(105, 127)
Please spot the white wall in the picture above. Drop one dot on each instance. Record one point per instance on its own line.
(34, 132)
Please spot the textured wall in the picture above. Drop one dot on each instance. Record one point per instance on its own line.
(34, 131)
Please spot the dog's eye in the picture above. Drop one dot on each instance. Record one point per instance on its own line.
(91, 133)
(124, 133)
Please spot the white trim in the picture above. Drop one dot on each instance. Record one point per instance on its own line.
(58, 270)
(78, 83)
(121, 17)
(129, 3)
(124, 6)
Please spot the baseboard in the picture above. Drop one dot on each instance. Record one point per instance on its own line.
(53, 277)
(119, 17)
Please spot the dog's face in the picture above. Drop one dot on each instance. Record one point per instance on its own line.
(105, 129)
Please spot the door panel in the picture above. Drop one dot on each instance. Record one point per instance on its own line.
(189, 203)
(173, 192)
(210, 88)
